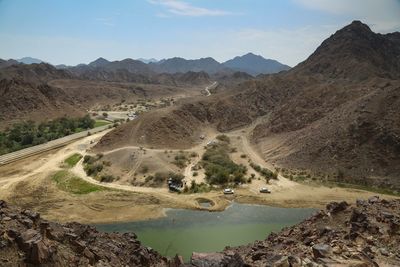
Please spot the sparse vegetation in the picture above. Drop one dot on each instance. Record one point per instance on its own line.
(197, 188)
(91, 165)
(93, 169)
(144, 169)
(180, 160)
(223, 138)
(72, 160)
(107, 178)
(267, 174)
(160, 178)
(72, 184)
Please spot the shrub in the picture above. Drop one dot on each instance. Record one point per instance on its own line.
(144, 169)
(180, 160)
(107, 178)
(219, 168)
(223, 138)
(243, 156)
(93, 169)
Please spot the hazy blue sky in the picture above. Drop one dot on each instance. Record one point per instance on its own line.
(79, 31)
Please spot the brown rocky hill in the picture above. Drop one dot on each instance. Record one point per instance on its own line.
(335, 114)
(33, 73)
(7, 63)
(24, 100)
(355, 53)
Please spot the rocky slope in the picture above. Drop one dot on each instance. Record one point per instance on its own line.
(362, 235)
(28, 240)
(335, 116)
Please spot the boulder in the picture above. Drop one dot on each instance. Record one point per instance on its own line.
(216, 259)
(335, 207)
(373, 199)
(321, 251)
(357, 216)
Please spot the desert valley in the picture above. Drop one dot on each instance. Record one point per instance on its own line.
(183, 162)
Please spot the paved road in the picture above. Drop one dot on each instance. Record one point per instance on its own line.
(23, 153)
(210, 87)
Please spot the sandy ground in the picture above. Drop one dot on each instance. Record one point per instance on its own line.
(27, 183)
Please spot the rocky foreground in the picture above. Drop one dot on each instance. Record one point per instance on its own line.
(28, 240)
(364, 234)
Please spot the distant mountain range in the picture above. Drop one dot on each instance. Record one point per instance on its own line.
(29, 60)
(255, 64)
(249, 63)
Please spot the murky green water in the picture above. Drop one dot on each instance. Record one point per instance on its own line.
(185, 231)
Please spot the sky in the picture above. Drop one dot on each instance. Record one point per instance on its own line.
(76, 31)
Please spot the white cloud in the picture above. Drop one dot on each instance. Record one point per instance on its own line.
(181, 8)
(381, 15)
(106, 21)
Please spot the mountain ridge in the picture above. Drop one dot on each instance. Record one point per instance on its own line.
(255, 64)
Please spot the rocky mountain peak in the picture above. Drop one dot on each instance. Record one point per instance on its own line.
(100, 62)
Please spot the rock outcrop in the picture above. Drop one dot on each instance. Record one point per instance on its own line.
(364, 234)
(28, 240)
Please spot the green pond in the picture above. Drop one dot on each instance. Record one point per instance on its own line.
(184, 231)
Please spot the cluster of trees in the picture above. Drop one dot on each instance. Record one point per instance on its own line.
(28, 133)
(219, 168)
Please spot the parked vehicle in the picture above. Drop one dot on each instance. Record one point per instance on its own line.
(228, 191)
(265, 190)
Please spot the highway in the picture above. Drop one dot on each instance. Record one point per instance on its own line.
(24, 153)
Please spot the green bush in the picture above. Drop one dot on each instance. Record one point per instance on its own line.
(219, 168)
(93, 169)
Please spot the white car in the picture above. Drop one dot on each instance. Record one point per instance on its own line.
(228, 191)
(264, 190)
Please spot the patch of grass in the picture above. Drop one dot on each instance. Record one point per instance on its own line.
(72, 160)
(99, 123)
(70, 183)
